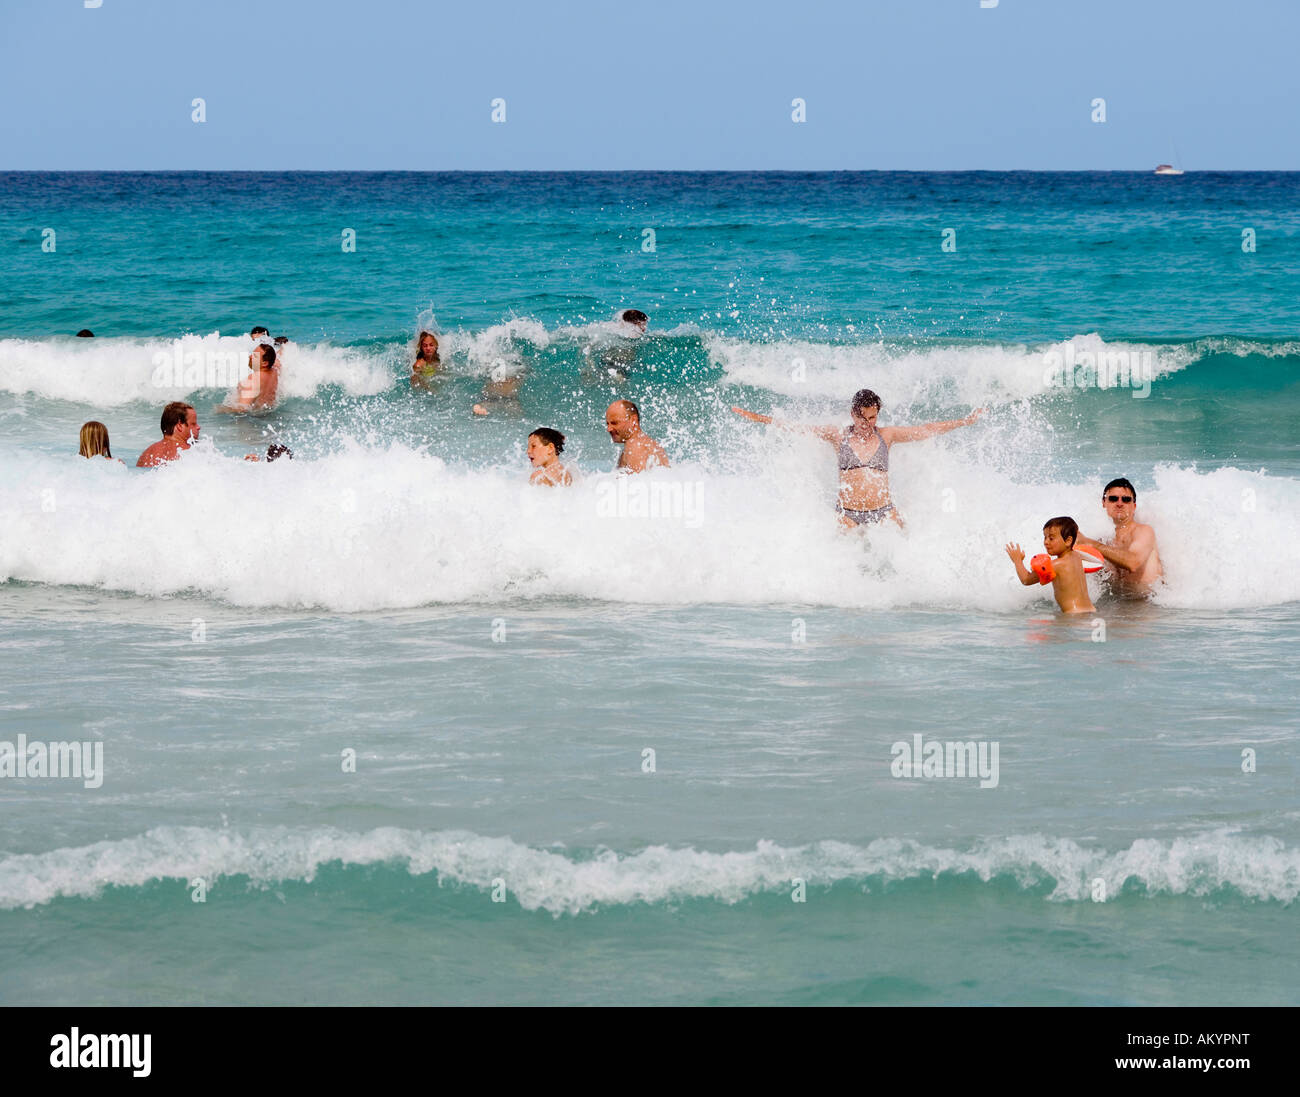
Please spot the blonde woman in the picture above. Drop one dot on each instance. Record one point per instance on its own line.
(94, 441)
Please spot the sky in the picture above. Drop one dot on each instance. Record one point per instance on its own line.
(671, 85)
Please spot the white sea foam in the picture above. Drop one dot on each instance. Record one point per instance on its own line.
(110, 372)
(369, 529)
(917, 376)
(1258, 868)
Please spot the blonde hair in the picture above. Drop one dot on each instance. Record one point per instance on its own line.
(437, 345)
(94, 440)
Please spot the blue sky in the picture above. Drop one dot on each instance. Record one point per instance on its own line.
(890, 84)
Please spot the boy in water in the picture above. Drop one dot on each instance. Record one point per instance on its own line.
(544, 448)
(1066, 567)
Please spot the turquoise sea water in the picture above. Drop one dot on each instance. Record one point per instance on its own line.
(603, 756)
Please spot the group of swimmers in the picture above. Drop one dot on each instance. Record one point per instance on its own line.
(180, 422)
(180, 430)
(862, 452)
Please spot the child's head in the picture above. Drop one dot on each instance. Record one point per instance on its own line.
(1059, 535)
(426, 345)
(544, 444)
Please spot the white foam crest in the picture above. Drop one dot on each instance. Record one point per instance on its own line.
(370, 529)
(110, 372)
(1258, 868)
(494, 352)
(911, 377)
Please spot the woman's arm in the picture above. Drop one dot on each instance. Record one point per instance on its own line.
(826, 434)
(927, 430)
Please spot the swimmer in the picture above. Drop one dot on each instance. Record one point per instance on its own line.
(640, 451)
(427, 362)
(863, 450)
(94, 442)
(257, 391)
(259, 335)
(1134, 562)
(85, 333)
(274, 451)
(544, 448)
(1068, 581)
(636, 318)
(180, 427)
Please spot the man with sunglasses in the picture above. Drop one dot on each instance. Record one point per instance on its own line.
(1135, 563)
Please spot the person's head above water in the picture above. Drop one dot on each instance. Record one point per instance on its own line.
(865, 408)
(635, 317)
(94, 440)
(1119, 487)
(278, 449)
(544, 444)
(180, 421)
(1119, 500)
(267, 353)
(280, 340)
(426, 347)
(1059, 534)
(622, 420)
(257, 334)
(85, 333)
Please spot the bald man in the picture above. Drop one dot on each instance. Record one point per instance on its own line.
(640, 451)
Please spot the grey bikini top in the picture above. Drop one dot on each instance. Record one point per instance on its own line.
(850, 460)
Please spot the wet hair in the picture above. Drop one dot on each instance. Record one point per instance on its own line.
(278, 449)
(437, 345)
(1066, 526)
(175, 412)
(551, 437)
(1120, 482)
(635, 316)
(259, 331)
(94, 440)
(281, 339)
(268, 355)
(865, 398)
(85, 333)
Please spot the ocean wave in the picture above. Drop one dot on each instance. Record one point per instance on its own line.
(372, 529)
(560, 882)
(920, 375)
(108, 373)
(111, 372)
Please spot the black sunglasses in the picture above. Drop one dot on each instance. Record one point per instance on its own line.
(1119, 498)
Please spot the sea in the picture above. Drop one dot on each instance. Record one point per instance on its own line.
(383, 723)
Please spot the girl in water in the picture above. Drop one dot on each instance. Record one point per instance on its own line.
(863, 451)
(544, 448)
(427, 363)
(94, 441)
